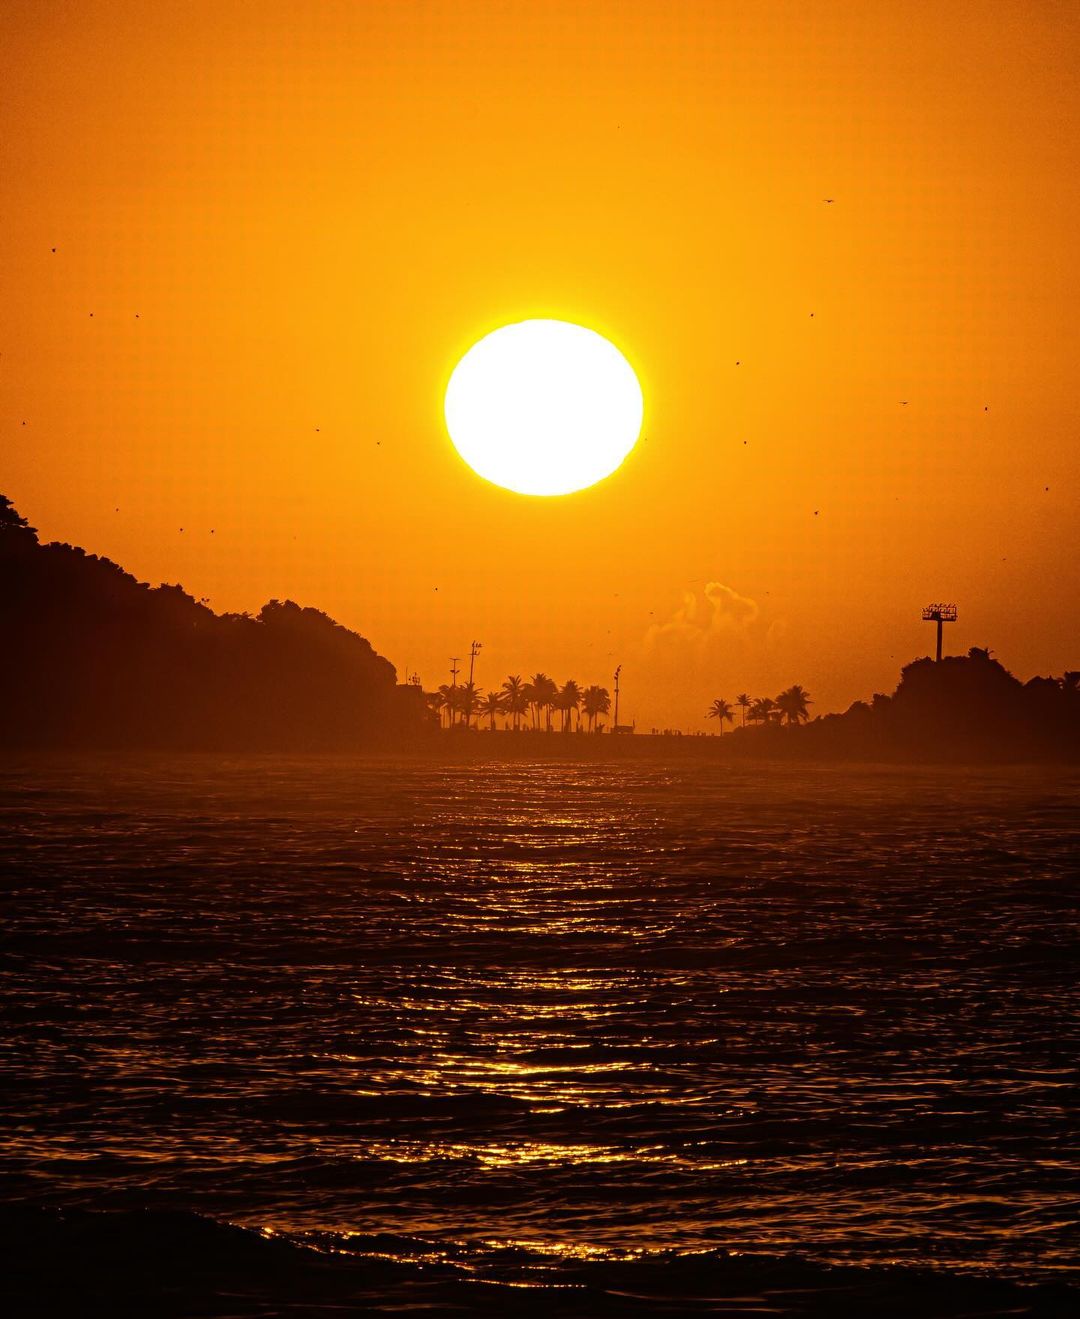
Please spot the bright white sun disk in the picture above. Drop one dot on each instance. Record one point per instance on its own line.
(544, 407)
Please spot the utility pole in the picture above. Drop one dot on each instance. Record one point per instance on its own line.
(939, 613)
(453, 682)
(618, 670)
(474, 650)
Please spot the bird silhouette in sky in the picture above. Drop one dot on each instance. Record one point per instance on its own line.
(903, 402)
(828, 200)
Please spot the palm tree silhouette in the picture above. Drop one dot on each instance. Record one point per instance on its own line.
(744, 702)
(468, 699)
(550, 690)
(541, 690)
(568, 700)
(595, 701)
(492, 704)
(763, 711)
(792, 704)
(448, 701)
(720, 710)
(516, 698)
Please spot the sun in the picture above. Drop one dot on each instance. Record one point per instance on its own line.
(544, 407)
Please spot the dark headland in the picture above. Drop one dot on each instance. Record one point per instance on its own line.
(93, 659)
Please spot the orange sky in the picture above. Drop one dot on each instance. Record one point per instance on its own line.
(288, 222)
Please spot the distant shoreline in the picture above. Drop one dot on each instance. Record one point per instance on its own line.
(528, 749)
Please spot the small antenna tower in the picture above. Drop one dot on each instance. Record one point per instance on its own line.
(939, 614)
(618, 670)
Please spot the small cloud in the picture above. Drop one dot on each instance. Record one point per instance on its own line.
(704, 619)
(730, 610)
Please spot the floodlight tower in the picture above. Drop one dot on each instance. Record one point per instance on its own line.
(474, 650)
(939, 614)
(618, 670)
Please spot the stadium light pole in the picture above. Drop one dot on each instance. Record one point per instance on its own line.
(939, 614)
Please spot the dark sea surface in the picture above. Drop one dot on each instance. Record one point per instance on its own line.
(362, 1036)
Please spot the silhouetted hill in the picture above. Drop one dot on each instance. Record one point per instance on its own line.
(968, 708)
(91, 657)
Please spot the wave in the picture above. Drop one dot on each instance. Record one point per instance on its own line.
(172, 1264)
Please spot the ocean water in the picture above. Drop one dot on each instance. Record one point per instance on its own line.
(338, 1035)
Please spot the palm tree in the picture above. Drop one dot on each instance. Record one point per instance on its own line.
(763, 711)
(550, 690)
(468, 700)
(541, 691)
(515, 698)
(595, 701)
(720, 710)
(792, 704)
(448, 701)
(434, 702)
(535, 690)
(744, 702)
(568, 700)
(492, 704)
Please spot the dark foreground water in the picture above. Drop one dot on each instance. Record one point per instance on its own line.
(333, 1036)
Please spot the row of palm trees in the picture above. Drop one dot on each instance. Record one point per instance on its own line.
(790, 707)
(537, 700)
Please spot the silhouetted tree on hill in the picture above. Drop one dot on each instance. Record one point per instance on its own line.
(963, 708)
(793, 704)
(93, 657)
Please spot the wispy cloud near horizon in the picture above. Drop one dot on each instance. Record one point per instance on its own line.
(704, 619)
